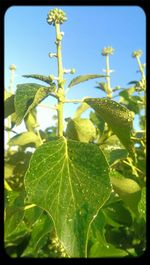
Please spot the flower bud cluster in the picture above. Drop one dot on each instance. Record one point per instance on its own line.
(57, 247)
(12, 67)
(107, 51)
(137, 53)
(56, 16)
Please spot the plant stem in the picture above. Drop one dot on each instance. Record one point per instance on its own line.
(11, 91)
(38, 134)
(109, 91)
(60, 90)
(60, 119)
(74, 100)
(140, 67)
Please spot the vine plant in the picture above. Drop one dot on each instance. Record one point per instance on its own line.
(81, 184)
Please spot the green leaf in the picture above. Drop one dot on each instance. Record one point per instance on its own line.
(117, 215)
(118, 118)
(128, 190)
(14, 224)
(69, 180)
(133, 82)
(98, 122)
(8, 170)
(39, 232)
(83, 78)
(103, 86)
(24, 139)
(82, 130)
(142, 204)
(31, 215)
(101, 251)
(116, 155)
(43, 78)
(98, 228)
(30, 120)
(27, 97)
(40, 95)
(9, 107)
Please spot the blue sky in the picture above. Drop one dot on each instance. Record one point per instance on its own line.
(29, 39)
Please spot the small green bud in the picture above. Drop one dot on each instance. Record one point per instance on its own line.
(73, 71)
(51, 55)
(69, 71)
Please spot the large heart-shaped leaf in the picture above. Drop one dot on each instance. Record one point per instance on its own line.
(69, 180)
(83, 78)
(27, 97)
(118, 118)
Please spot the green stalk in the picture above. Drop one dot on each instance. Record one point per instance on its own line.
(140, 67)
(11, 91)
(60, 90)
(109, 91)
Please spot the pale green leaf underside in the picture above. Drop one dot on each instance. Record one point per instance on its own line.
(82, 130)
(22, 139)
(119, 119)
(27, 97)
(83, 78)
(70, 181)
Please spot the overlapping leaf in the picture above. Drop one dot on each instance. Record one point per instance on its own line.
(82, 130)
(9, 107)
(128, 190)
(24, 138)
(118, 118)
(27, 97)
(83, 78)
(69, 180)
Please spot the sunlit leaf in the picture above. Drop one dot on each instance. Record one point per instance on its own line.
(43, 78)
(69, 180)
(128, 189)
(83, 78)
(119, 119)
(24, 138)
(101, 251)
(31, 120)
(27, 97)
(81, 130)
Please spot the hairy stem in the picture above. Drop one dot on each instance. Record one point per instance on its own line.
(109, 91)
(140, 67)
(60, 90)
